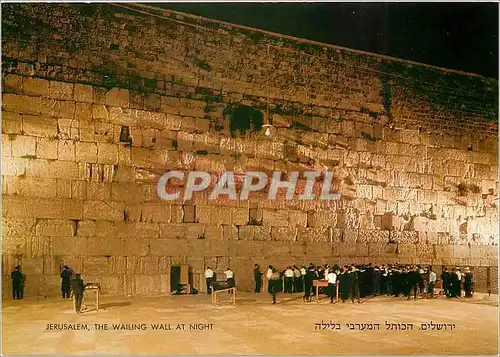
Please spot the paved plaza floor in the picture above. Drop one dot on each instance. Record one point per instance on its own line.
(253, 327)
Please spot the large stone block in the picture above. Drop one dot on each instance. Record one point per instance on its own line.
(283, 234)
(322, 218)
(39, 126)
(274, 217)
(172, 230)
(313, 234)
(55, 227)
(61, 90)
(22, 104)
(23, 146)
(103, 210)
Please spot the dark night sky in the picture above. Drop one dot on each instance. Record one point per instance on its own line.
(462, 36)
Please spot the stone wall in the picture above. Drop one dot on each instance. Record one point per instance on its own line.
(99, 101)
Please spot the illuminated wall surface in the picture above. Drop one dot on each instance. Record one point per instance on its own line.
(99, 102)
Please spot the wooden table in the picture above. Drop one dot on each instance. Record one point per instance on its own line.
(324, 283)
(230, 290)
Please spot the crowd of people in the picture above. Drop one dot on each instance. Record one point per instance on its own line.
(359, 281)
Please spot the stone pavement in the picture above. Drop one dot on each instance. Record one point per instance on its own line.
(253, 327)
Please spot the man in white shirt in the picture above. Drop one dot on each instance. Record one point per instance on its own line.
(432, 281)
(297, 279)
(269, 274)
(209, 277)
(332, 281)
(288, 280)
(230, 277)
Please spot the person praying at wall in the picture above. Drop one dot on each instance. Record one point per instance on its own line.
(257, 274)
(344, 286)
(269, 273)
(288, 280)
(209, 278)
(354, 284)
(78, 288)
(230, 278)
(303, 272)
(66, 275)
(274, 283)
(332, 282)
(446, 278)
(297, 280)
(468, 282)
(309, 278)
(17, 278)
(432, 282)
(377, 276)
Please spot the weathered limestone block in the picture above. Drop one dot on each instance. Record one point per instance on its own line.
(221, 215)
(18, 226)
(54, 228)
(70, 246)
(13, 83)
(214, 232)
(31, 186)
(153, 120)
(313, 234)
(22, 104)
(83, 93)
(262, 233)
(194, 230)
(145, 230)
(129, 192)
(404, 237)
(230, 232)
(322, 218)
(274, 217)
(246, 249)
(156, 212)
(39, 126)
(319, 249)
(240, 216)
(103, 210)
(14, 245)
(170, 105)
(350, 236)
(246, 233)
(60, 90)
(297, 218)
(193, 108)
(373, 236)
(66, 150)
(283, 234)
(23, 146)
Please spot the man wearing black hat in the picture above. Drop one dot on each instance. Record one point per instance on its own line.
(17, 283)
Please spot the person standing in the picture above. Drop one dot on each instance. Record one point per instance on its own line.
(269, 274)
(297, 277)
(308, 283)
(209, 278)
(332, 282)
(230, 278)
(432, 282)
(257, 274)
(303, 272)
(344, 284)
(354, 282)
(458, 282)
(17, 283)
(446, 278)
(78, 289)
(274, 282)
(288, 280)
(377, 277)
(66, 275)
(468, 282)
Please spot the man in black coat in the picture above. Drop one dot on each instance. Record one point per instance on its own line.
(446, 278)
(468, 282)
(413, 279)
(354, 282)
(17, 283)
(66, 274)
(78, 288)
(258, 277)
(309, 278)
(377, 277)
